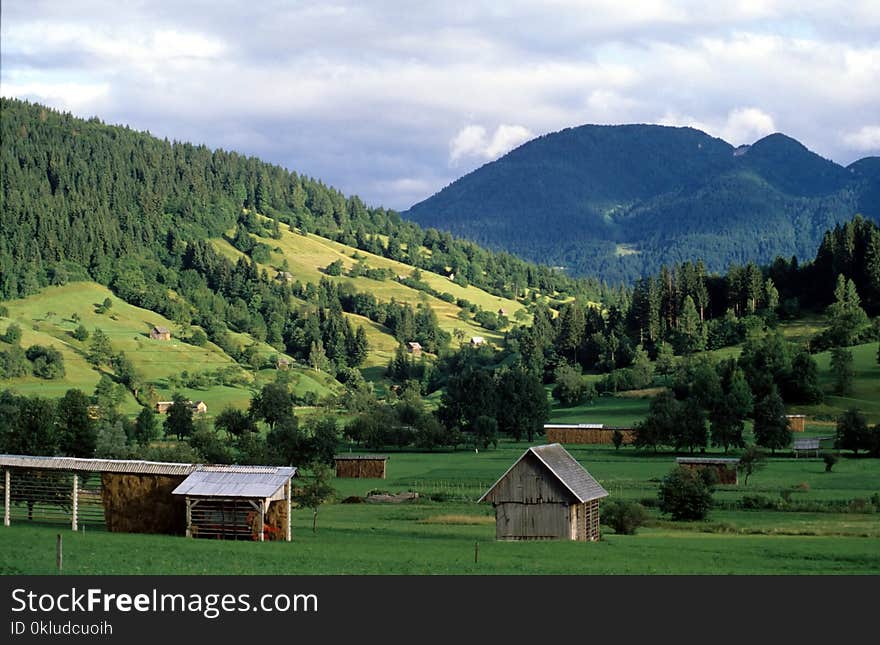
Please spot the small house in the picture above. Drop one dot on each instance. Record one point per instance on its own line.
(199, 407)
(796, 422)
(162, 406)
(361, 466)
(160, 333)
(284, 276)
(726, 470)
(238, 502)
(283, 363)
(546, 495)
(414, 348)
(477, 341)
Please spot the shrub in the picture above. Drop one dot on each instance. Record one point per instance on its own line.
(685, 495)
(830, 459)
(624, 517)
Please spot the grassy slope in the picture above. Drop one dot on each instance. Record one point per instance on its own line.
(128, 328)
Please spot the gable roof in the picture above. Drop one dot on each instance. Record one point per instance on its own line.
(565, 468)
(235, 481)
(161, 330)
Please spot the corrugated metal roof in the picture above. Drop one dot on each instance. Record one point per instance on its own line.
(565, 468)
(235, 481)
(706, 460)
(807, 444)
(135, 467)
(361, 457)
(588, 426)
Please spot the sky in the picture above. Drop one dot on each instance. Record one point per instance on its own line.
(394, 100)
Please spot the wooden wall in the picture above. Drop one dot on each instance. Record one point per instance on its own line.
(529, 482)
(588, 435)
(797, 424)
(548, 521)
(360, 468)
(726, 474)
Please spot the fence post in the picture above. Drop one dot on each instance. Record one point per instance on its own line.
(73, 520)
(6, 498)
(58, 554)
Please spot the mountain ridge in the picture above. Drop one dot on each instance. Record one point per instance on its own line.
(571, 198)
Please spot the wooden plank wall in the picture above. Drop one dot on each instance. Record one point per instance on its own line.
(588, 435)
(548, 521)
(529, 482)
(360, 468)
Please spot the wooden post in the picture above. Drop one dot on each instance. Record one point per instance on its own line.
(288, 534)
(476, 552)
(188, 517)
(58, 554)
(75, 512)
(261, 524)
(6, 499)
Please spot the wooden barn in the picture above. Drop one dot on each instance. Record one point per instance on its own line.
(361, 466)
(586, 433)
(238, 502)
(127, 496)
(546, 495)
(160, 333)
(797, 422)
(725, 469)
(414, 348)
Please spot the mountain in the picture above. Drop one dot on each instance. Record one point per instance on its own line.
(617, 202)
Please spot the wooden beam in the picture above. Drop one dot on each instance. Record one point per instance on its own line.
(288, 533)
(73, 518)
(188, 517)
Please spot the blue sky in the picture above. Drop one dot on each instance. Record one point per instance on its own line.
(394, 100)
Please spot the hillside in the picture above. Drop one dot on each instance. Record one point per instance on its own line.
(618, 202)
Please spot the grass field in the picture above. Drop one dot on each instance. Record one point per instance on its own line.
(436, 535)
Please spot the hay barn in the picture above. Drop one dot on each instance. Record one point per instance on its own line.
(361, 466)
(797, 422)
(807, 446)
(160, 333)
(546, 495)
(119, 495)
(238, 502)
(586, 433)
(725, 469)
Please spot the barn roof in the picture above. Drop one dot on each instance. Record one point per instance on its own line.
(235, 481)
(161, 330)
(585, 426)
(707, 460)
(565, 468)
(807, 444)
(128, 466)
(361, 457)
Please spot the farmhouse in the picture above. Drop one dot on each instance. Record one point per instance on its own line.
(284, 276)
(361, 466)
(414, 348)
(725, 469)
(162, 406)
(199, 407)
(160, 333)
(587, 433)
(796, 422)
(238, 502)
(477, 340)
(546, 495)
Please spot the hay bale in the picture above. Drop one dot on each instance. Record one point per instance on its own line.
(143, 503)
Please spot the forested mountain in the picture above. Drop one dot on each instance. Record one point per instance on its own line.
(618, 202)
(77, 195)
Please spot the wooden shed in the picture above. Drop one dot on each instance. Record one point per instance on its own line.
(414, 348)
(238, 502)
(725, 468)
(586, 433)
(797, 422)
(361, 466)
(160, 333)
(546, 495)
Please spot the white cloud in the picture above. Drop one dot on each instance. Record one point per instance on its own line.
(741, 125)
(473, 141)
(866, 138)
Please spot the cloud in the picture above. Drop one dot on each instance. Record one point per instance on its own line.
(386, 100)
(473, 141)
(866, 138)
